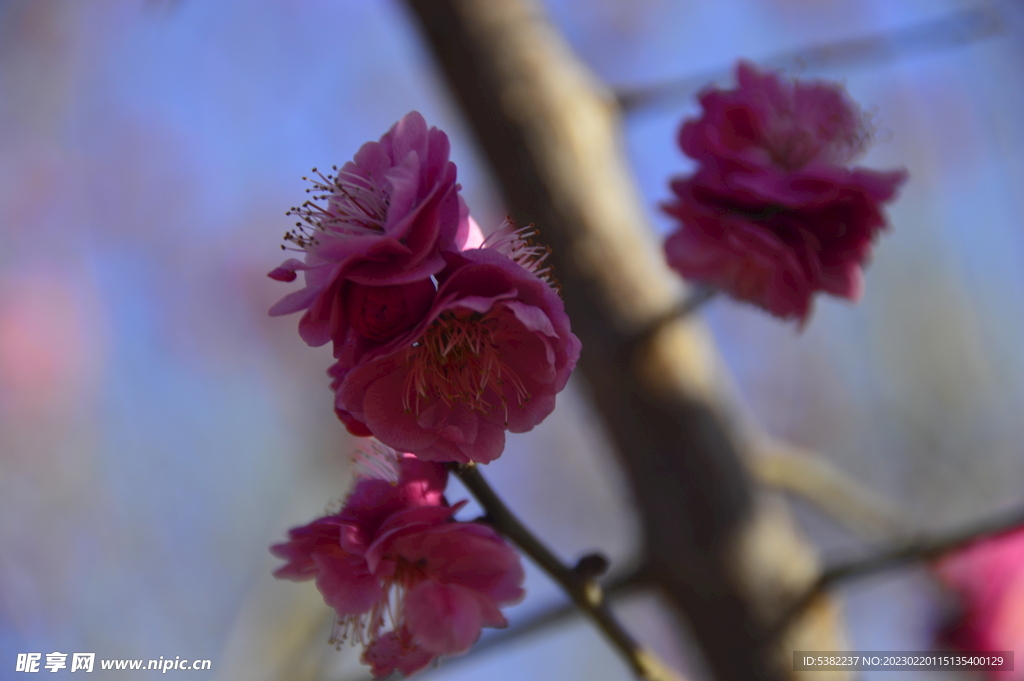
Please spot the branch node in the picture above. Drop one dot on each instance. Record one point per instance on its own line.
(591, 566)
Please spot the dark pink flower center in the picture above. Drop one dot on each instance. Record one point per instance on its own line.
(381, 312)
(458, 361)
(835, 138)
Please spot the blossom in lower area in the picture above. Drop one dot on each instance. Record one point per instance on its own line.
(773, 214)
(490, 356)
(373, 235)
(405, 579)
(315, 551)
(987, 580)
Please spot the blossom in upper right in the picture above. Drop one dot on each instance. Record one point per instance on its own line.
(773, 213)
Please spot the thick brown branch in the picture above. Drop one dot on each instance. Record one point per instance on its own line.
(551, 135)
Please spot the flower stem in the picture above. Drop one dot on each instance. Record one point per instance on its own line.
(585, 593)
(698, 296)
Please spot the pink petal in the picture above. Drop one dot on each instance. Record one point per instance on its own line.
(394, 651)
(345, 587)
(444, 619)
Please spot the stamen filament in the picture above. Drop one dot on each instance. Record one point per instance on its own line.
(354, 206)
(459, 360)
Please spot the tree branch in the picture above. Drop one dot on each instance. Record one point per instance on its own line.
(619, 586)
(698, 297)
(956, 29)
(725, 560)
(923, 549)
(585, 593)
(817, 480)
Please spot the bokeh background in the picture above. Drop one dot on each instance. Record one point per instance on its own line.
(158, 431)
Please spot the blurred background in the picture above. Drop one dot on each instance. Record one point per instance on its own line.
(158, 431)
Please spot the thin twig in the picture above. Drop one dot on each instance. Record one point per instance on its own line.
(698, 296)
(585, 593)
(926, 548)
(829, 489)
(542, 621)
(619, 587)
(953, 30)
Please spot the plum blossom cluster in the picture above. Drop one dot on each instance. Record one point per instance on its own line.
(443, 341)
(405, 579)
(773, 213)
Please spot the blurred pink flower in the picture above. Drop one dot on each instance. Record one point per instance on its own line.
(395, 556)
(770, 122)
(772, 214)
(378, 237)
(51, 343)
(490, 356)
(987, 578)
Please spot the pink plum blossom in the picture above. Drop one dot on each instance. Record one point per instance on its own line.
(772, 214)
(405, 579)
(373, 235)
(489, 356)
(987, 577)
